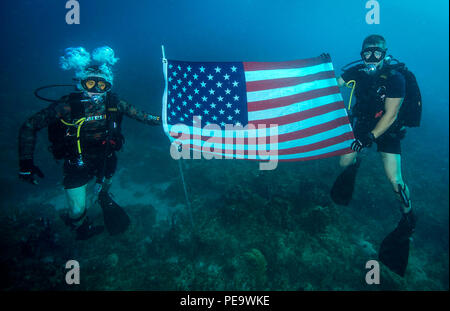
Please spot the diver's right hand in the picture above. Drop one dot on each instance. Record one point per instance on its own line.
(28, 171)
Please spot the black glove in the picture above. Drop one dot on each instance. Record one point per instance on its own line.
(363, 142)
(326, 56)
(28, 171)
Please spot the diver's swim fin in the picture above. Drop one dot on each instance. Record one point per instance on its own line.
(115, 218)
(342, 191)
(394, 250)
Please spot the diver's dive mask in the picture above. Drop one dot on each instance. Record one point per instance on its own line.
(373, 54)
(372, 57)
(96, 85)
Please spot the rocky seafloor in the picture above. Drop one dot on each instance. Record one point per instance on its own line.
(246, 230)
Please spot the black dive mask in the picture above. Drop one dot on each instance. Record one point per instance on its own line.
(373, 54)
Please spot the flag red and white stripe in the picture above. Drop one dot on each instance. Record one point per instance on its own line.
(301, 97)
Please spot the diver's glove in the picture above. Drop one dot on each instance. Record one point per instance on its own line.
(325, 56)
(28, 171)
(363, 142)
(156, 120)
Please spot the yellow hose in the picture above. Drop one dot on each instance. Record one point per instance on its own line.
(78, 125)
(351, 93)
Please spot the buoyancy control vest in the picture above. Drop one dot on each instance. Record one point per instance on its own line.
(371, 96)
(66, 136)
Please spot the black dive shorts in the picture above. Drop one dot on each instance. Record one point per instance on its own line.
(389, 142)
(76, 176)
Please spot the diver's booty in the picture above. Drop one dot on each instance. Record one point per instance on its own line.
(72, 222)
(87, 230)
(82, 226)
(407, 224)
(403, 197)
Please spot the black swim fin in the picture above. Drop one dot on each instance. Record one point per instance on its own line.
(342, 191)
(394, 250)
(115, 218)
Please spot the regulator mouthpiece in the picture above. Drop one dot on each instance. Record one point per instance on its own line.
(370, 69)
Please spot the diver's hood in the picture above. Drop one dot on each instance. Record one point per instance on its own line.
(97, 72)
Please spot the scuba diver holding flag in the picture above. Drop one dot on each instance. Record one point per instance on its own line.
(84, 129)
(388, 101)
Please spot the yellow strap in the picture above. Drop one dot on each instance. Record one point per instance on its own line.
(78, 124)
(67, 123)
(351, 93)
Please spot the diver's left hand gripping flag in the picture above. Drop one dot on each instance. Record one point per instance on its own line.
(302, 97)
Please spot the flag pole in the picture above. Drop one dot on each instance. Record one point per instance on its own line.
(165, 95)
(188, 202)
(163, 53)
(186, 193)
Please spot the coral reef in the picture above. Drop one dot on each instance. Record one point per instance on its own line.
(250, 230)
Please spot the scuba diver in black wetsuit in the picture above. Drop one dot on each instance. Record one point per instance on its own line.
(388, 100)
(84, 131)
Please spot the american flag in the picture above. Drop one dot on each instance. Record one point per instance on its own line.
(301, 97)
